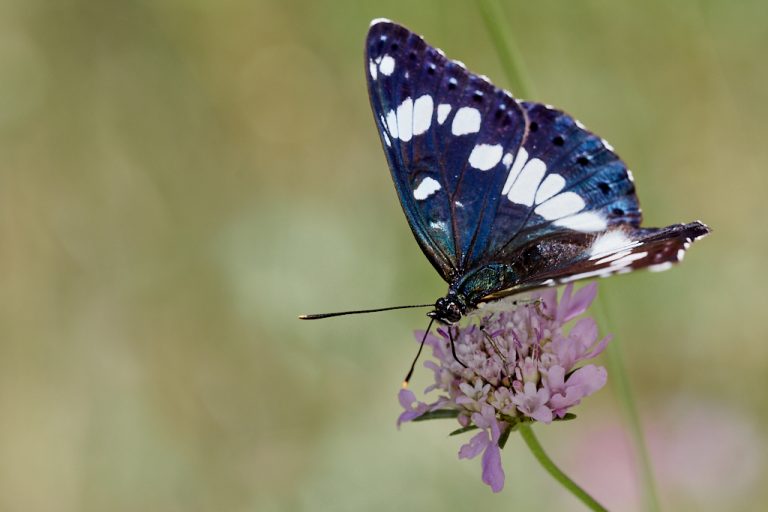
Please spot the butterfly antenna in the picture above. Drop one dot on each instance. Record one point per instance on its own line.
(413, 364)
(319, 316)
(453, 348)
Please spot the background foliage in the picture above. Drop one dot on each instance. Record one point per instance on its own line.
(179, 179)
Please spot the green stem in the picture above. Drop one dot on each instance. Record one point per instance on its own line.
(533, 444)
(623, 390)
(511, 64)
(493, 16)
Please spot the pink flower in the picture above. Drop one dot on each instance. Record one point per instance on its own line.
(522, 365)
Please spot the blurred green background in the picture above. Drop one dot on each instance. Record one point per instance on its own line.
(180, 179)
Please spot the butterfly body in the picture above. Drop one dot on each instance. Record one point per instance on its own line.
(502, 195)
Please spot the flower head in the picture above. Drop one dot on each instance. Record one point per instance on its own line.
(521, 365)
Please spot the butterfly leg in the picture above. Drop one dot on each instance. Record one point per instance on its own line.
(538, 304)
(496, 349)
(453, 348)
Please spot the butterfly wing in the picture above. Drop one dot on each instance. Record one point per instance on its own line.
(569, 211)
(563, 179)
(571, 257)
(448, 136)
(487, 182)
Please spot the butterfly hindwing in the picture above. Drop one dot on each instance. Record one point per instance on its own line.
(563, 179)
(620, 249)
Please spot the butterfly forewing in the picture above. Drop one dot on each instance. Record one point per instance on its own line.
(447, 134)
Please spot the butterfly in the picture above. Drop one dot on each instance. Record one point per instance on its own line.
(502, 195)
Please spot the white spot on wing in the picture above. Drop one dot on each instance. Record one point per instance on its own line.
(405, 120)
(372, 68)
(680, 254)
(466, 120)
(613, 256)
(422, 114)
(426, 188)
(626, 260)
(387, 65)
(562, 205)
(376, 21)
(392, 124)
(660, 267)
(607, 145)
(507, 160)
(610, 242)
(524, 188)
(586, 222)
(551, 185)
(522, 157)
(442, 112)
(439, 225)
(485, 156)
(602, 272)
(386, 139)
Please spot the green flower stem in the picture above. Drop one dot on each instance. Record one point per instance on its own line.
(493, 16)
(623, 390)
(511, 64)
(533, 444)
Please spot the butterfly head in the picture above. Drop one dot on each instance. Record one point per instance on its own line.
(449, 309)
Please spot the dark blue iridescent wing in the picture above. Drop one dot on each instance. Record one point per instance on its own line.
(563, 179)
(503, 195)
(448, 135)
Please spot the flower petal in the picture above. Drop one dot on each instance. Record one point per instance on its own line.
(413, 408)
(554, 379)
(542, 414)
(475, 445)
(588, 379)
(572, 306)
(493, 473)
(406, 398)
